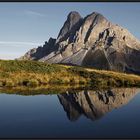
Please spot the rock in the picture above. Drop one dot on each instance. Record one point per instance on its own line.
(91, 41)
(38, 53)
(69, 28)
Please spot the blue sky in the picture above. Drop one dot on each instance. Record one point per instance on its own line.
(26, 25)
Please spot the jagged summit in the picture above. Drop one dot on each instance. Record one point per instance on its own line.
(92, 41)
(73, 14)
(70, 26)
(95, 16)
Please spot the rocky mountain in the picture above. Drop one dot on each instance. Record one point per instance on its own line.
(91, 41)
(94, 104)
(38, 53)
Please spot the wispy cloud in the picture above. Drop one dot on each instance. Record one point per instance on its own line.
(34, 13)
(10, 56)
(15, 49)
(16, 43)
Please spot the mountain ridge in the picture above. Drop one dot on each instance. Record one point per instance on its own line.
(92, 41)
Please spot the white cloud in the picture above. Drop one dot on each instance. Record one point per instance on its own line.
(15, 49)
(16, 43)
(11, 56)
(34, 13)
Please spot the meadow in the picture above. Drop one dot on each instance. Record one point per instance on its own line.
(21, 73)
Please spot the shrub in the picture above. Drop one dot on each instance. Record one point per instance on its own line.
(99, 82)
(120, 82)
(111, 82)
(82, 82)
(32, 82)
(4, 75)
(72, 81)
(80, 71)
(56, 81)
(9, 83)
(25, 82)
(1, 83)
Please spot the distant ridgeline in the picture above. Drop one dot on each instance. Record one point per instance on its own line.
(91, 41)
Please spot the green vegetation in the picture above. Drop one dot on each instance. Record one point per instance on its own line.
(15, 73)
(44, 90)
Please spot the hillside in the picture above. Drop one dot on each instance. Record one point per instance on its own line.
(15, 73)
(91, 41)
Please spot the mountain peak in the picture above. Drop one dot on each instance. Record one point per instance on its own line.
(92, 41)
(71, 24)
(97, 17)
(73, 14)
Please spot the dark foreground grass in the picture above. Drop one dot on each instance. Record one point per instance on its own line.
(15, 73)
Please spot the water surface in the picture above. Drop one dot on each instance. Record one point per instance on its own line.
(113, 113)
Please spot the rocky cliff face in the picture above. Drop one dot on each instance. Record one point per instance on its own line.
(38, 53)
(94, 104)
(92, 41)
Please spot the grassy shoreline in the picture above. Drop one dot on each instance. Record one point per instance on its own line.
(49, 90)
(15, 73)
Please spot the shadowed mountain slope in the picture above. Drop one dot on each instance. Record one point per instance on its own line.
(91, 41)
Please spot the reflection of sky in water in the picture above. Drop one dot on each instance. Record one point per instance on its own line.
(44, 116)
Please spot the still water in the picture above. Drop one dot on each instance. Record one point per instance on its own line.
(113, 113)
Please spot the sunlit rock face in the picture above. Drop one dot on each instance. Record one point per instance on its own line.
(91, 41)
(94, 104)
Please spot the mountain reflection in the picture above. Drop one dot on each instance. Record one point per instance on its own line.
(94, 104)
